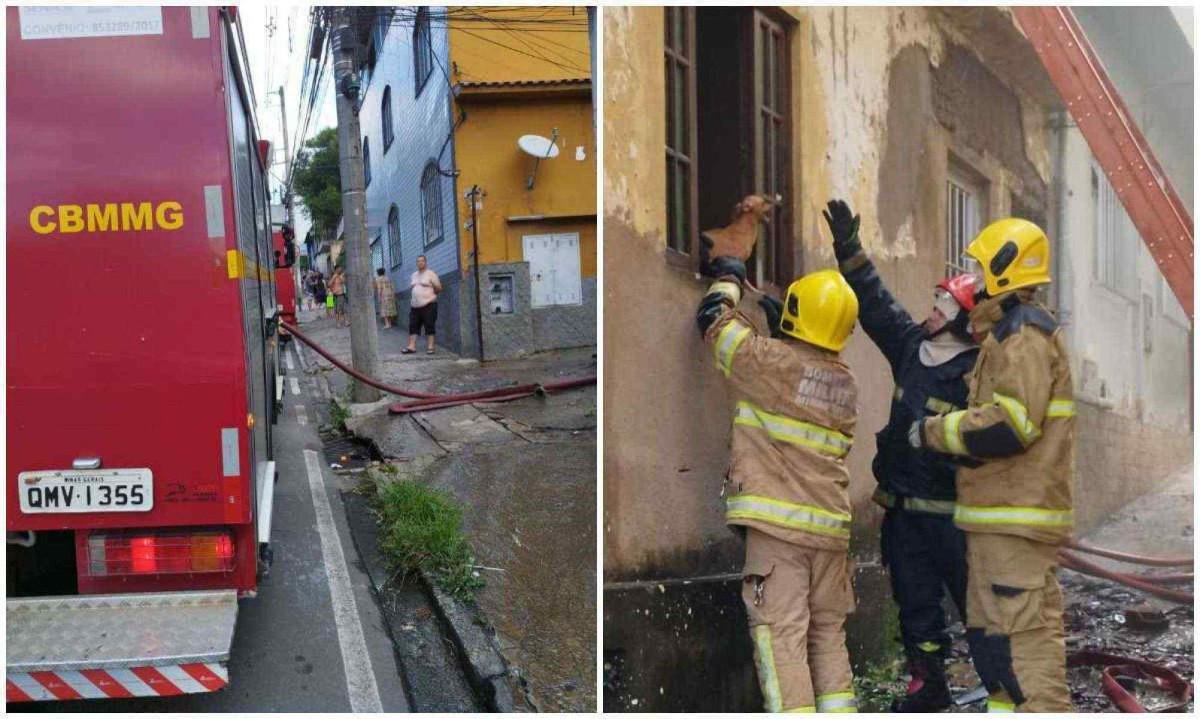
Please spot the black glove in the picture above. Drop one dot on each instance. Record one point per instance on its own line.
(773, 309)
(843, 225)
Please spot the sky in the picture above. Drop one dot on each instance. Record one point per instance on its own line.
(277, 39)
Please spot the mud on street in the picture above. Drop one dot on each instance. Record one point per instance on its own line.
(524, 472)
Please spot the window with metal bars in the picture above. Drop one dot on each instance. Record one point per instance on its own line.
(422, 49)
(431, 205)
(679, 50)
(1116, 240)
(966, 199)
(393, 230)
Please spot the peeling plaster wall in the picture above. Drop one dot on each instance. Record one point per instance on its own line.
(881, 98)
(867, 126)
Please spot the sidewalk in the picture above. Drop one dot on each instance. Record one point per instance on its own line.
(525, 473)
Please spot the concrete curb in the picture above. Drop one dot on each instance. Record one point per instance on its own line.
(485, 668)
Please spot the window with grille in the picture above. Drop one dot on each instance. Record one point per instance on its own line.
(966, 198)
(1116, 240)
(393, 232)
(366, 162)
(422, 49)
(679, 50)
(772, 257)
(431, 205)
(389, 131)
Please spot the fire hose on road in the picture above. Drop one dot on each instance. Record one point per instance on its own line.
(1149, 583)
(429, 400)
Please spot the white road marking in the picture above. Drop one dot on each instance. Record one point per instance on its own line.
(291, 365)
(301, 417)
(295, 385)
(360, 675)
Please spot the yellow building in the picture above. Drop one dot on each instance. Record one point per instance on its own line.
(448, 93)
(524, 71)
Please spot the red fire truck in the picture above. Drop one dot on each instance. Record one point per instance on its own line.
(142, 371)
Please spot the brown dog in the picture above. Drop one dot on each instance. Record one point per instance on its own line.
(737, 239)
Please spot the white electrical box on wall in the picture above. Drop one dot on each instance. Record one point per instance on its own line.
(554, 269)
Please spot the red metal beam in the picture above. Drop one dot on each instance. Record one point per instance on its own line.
(1114, 138)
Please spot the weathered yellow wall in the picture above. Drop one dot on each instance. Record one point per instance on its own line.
(486, 151)
(555, 48)
(864, 129)
(565, 187)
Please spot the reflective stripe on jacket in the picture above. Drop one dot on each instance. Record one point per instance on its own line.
(1020, 422)
(793, 424)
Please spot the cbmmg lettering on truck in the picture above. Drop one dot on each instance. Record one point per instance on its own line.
(106, 217)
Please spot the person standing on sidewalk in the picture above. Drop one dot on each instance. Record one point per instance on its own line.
(425, 286)
(1016, 506)
(320, 292)
(925, 554)
(385, 297)
(337, 287)
(787, 484)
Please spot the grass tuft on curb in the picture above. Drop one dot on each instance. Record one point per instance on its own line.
(338, 415)
(421, 531)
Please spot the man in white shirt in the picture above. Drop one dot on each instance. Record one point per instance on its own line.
(425, 287)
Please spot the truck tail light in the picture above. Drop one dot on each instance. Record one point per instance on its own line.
(126, 553)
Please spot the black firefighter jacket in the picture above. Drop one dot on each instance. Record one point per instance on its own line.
(920, 391)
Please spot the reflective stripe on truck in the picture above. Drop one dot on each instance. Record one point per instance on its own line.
(118, 645)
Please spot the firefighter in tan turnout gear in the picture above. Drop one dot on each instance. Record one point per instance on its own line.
(1015, 503)
(793, 424)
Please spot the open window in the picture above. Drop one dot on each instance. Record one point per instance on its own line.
(729, 129)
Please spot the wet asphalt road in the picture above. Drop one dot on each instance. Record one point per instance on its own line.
(294, 641)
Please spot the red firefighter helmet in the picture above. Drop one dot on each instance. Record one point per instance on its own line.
(962, 289)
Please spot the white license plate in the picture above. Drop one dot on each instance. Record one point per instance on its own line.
(86, 490)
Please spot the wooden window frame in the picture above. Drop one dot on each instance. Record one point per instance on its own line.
(785, 259)
(674, 57)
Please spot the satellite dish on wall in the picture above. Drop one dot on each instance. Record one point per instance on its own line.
(540, 147)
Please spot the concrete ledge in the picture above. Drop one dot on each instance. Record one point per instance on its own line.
(484, 666)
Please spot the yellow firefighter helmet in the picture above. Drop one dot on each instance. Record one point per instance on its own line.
(821, 309)
(1012, 253)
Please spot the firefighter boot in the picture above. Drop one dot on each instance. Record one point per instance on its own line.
(927, 690)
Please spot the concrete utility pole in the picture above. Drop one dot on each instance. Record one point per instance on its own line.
(287, 192)
(364, 337)
(287, 162)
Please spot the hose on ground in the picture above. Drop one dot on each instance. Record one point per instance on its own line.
(430, 400)
(1078, 564)
(1131, 558)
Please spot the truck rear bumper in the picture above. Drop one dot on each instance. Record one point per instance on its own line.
(118, 645)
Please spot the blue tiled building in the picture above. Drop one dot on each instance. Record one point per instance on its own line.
(411, 206)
